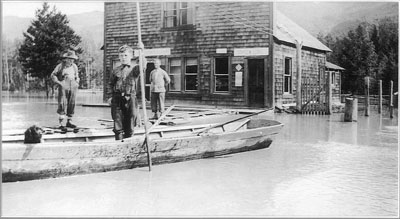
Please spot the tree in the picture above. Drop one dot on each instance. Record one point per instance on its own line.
(370, 49)
(385, 39)
(358, 57)
(46, 39)
(332, 43)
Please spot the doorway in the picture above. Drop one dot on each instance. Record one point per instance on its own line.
(149, 67)
(256, 82)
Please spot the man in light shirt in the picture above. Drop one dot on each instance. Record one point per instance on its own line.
(66, 76)
(159, 81)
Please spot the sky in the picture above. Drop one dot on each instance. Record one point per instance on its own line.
(28, 8)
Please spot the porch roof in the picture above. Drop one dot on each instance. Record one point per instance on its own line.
(288, 31)
(333, 66)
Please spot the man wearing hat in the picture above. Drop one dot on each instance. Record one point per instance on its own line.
(122, 86)
(67, 77)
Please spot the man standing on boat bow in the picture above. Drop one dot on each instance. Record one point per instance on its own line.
(66, 75)
(122, 88)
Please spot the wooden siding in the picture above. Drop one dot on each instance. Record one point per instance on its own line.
(210, 31)
(311, 62)
(336, 86)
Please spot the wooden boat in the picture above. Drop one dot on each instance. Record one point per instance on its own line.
(172, 144)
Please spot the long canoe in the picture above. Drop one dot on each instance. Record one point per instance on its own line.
(174, 144)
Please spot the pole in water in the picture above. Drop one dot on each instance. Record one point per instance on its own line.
(391, 100)
(141, 48)
(380, 97)
(366, 96)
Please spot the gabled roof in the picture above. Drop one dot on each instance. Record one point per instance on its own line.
(286, 30)
(333, 66)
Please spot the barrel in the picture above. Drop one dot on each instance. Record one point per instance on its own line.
(350, 110)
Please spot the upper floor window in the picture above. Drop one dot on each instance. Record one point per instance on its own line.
(288, 76)
(178, 14)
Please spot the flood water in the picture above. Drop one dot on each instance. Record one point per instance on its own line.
(318, 166)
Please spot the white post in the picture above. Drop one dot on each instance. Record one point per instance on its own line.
(298, 68)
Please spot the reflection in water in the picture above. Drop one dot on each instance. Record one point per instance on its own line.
(318, 166)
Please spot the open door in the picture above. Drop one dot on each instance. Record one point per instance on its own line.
(256, 82)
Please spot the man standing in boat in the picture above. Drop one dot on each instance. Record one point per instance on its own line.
(66, 76)
(122, 86)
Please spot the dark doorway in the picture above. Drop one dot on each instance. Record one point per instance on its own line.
(149, 67)
(256, 82)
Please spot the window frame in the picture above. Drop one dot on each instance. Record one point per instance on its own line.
(178, 74)
(214, 75)
(290, 75)
(182, 74)
(190, 14)
(190, 74)
(333, 78)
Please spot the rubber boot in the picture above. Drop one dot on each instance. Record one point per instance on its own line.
(70, 125)
(119, 136)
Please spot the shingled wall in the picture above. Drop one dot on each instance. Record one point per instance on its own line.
(212, 29)
(311, 62)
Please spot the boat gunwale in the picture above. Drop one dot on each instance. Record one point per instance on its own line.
(137, 139)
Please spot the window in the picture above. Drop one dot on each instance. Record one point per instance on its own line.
(186, 68)
(191, 74)
(175, 72)
(178, 14)
(288, 76)
(333, 78)
(221, 75)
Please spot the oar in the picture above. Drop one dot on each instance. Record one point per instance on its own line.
(147, 140)
(234, 120)
(161, 118)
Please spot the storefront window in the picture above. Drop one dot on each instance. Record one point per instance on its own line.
(175, 72)
(185, 69)
(191, 74)
(221, 74)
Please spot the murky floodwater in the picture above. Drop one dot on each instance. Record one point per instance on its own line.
(318, 166)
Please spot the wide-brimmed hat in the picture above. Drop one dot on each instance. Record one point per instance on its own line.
(69, 54)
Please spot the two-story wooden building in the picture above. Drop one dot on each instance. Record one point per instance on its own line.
(217, 53)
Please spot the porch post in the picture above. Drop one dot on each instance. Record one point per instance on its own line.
(329, 92)
(298, 68)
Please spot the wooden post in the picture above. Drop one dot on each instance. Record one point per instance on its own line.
(366, 79)
(391, 100)
(350, 110)
(298, 68)
(329, 93)
(141, 48)
(380, 97)
(6, 69)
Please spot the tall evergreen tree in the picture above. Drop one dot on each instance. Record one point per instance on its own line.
(359, 59)
(45, 40)
(385, 38)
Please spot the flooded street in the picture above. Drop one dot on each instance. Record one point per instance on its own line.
(318, 166)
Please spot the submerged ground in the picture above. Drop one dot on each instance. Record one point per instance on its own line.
(318, 166)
